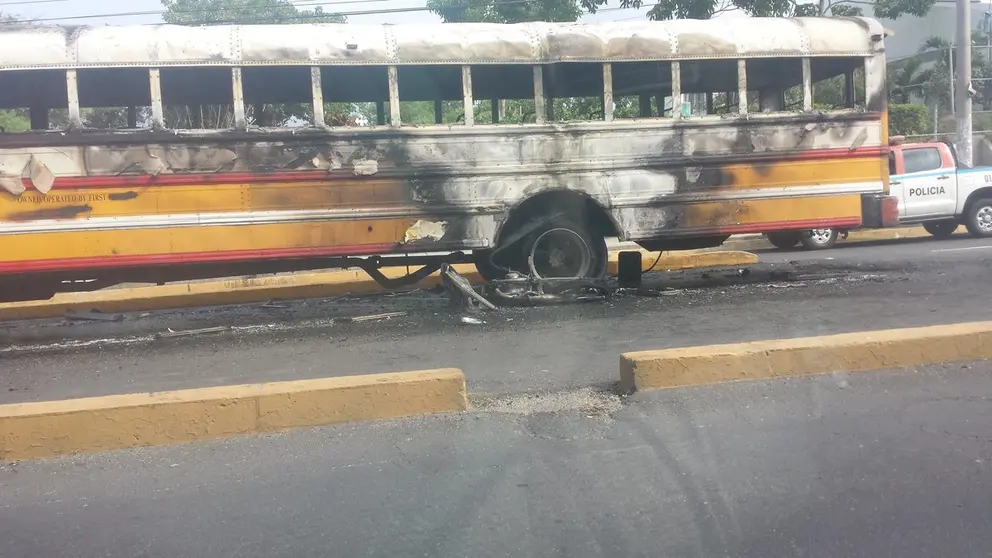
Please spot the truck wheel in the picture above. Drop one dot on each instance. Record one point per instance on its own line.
(784, 240)
(563, 248)
(941, 229)
(979, 218)
(819, 239)
(485, 266)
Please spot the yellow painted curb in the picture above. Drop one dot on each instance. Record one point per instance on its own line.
(292, 286)
(53, 428)
(849, 352)
(887, 234)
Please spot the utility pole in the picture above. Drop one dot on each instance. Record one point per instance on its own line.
(823, 8)
(988, 34)
(950, 66)
(963, 83)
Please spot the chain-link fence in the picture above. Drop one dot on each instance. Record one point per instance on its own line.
(927, 79)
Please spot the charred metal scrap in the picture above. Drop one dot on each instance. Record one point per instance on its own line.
(461, 292)
(521, 290)
(517, 289)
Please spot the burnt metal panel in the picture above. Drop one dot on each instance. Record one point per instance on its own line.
(641, 172)
(31, 47)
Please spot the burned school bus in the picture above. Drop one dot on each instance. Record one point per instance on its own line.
(162, 153)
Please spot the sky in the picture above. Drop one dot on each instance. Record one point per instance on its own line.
(48, 10)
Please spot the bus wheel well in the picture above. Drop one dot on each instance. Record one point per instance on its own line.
(545, 206)
(979, 194)
(573, 215)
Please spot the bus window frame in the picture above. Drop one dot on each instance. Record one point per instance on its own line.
(155, 88)
(317, 98)
(540, 99)
(467, 102)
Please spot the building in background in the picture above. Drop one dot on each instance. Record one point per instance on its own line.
(941, 22)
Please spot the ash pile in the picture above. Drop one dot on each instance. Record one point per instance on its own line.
(517, 289)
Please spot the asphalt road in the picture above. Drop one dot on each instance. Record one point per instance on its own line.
(899, 250)
(875, 465)
(851, 288)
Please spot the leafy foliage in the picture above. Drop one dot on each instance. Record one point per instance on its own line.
(515, 11)
(13, 120)
(892, 9)
(908, 120)
(703, 9)
(205, 12)
(904, 80)
(929, 81)
(845, 10)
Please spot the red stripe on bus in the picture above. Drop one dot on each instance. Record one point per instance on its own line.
(838, 223)
(65, 264)
(840, 153)
(191, 179)
(145, 180)
(805, 224)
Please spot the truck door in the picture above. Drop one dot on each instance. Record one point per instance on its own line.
(928, 183)
(895, 185)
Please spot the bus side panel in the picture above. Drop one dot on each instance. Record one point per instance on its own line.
(228, 200)
(234, 196)
(763, 178)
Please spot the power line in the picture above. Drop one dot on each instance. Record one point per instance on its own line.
(23, 2)
(617, 9)
(330, 3)
(284, 18)
(305, 4)
(278, 18)
(246, 9)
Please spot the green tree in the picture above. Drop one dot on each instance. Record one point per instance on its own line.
(514, 11)
(931, 81)
(704, 9)
(908, 120)
(906, 79)
(208, 12)
(13, 120)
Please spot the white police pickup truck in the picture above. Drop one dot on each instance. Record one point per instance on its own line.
(932, 191)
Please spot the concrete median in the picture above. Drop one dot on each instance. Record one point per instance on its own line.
(849, 352)
(54, 428)
(244, 290)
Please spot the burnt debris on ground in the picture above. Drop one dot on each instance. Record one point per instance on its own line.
(519, 290)
(518, 298)
(516, 289)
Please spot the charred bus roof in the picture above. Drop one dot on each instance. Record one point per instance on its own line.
(24, 47)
